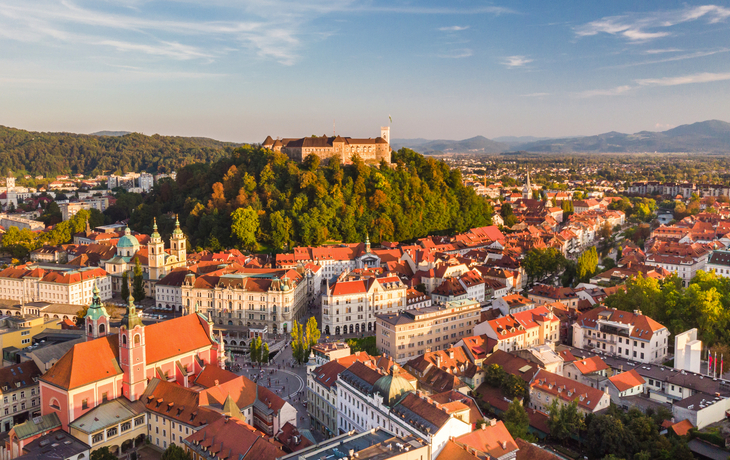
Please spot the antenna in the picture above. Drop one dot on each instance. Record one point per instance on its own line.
(334, 131)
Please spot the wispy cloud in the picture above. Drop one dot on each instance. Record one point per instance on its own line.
(681, 57)
(704, 77)
(516, 61)
(453, 28)
(644, 27)
(457, 54)
(535, 95)
(604, 92)
(662, 51)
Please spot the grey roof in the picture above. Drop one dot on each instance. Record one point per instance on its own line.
(56, 444)
(37, 425)
(707, 450)
(339, 446)
(108, 414)
(54, 352)
(719, 258)
(697, 382)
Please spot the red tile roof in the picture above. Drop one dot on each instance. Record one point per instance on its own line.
(242, 390)
(175, 337)
(494, 440)
(590, 365)
(682, 428)
(567, 389)
(73, 369)
(212, 375)
(627, 380)
(233, 439)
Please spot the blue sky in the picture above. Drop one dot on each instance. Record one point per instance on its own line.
(240, 70)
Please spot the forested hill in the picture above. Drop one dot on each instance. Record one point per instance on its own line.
(259, 199)
(50, 154)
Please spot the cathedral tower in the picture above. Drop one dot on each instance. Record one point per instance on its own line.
(132, 358)
(156, 255)
(96, 320)
(177, 242)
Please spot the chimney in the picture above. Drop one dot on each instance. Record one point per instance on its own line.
(504, 445)
(451, 353)
(484, 426)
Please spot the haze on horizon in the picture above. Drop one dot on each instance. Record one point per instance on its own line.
(241, 70)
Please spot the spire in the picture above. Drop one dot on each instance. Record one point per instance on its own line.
(177, 232)
(231, 409)
(367, 242)
(130, 319)
(154, 229)
(96, 310)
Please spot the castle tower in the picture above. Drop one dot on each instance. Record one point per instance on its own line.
(177, 242)
(96, 320)
(385, 133)
(132, 358)
(527, 189)
(156, 254)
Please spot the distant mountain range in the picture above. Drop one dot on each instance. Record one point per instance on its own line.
(712, 136)
(111, 133)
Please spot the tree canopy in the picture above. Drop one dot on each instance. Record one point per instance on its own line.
(50, 154)
(312, 203)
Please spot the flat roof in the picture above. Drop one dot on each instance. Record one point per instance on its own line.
(372, 445)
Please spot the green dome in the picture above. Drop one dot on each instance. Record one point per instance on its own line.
(128, 241)
(392, 386)
(96, 310)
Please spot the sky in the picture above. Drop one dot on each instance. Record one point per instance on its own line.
(239, 70)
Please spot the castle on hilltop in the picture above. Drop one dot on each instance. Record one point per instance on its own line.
(326, 148)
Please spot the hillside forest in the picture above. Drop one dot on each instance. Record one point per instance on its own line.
(50, 154)
(258, 199)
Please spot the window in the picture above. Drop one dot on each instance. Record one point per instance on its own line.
(104, 397)
(84, 404)
(98, 437)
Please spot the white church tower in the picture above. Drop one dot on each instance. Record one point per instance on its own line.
(527, 189)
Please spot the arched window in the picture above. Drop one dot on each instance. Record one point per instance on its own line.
(55, 404)
(91, 329)
(102, 328)
(137, 339)
(124, 339)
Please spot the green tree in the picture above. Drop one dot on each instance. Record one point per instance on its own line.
(258, 349)
(312, 334)
(174, 452)
(280, 229)
(138, 291)
(564, 420)
(265, 353)
(252, 351)
(102, 453)
(125, 285)
(297, 342)
(606, 435)
(244, 227)
(517, 421)
(586, 265)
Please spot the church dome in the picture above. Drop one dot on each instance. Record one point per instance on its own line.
(127, 241)
(392, 386)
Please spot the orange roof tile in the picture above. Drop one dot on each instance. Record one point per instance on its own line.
(494, 440)
(590, 365)
(627, 380)
(73, 370)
